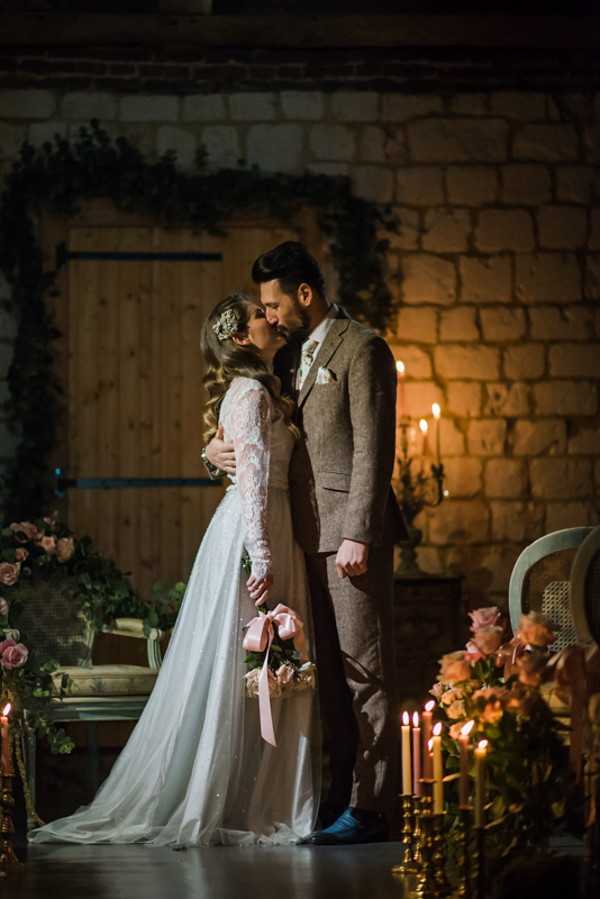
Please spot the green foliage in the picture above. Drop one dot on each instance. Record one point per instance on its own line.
(61, 175)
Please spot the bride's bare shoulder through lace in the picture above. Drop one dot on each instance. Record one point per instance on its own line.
(246, 418)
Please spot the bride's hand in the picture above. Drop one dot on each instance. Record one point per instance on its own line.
(259, 588)
(221, 454)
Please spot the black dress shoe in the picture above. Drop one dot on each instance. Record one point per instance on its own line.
(353, 826)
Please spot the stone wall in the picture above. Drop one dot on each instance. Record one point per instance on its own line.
(497, 265)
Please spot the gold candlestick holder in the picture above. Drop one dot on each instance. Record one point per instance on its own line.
(426, 887)
(7, 828)
(438, 857)
(464, 889)
(408, 864)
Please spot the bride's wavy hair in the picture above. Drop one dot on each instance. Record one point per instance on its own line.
(225, 360)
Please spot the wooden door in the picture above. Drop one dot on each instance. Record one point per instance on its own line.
(132, 300)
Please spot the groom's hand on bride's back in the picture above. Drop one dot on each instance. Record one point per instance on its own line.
(352, 559)
(221, 454)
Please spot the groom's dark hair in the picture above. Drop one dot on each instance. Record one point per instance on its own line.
(291, 264)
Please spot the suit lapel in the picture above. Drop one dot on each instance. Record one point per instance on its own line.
(326, 352)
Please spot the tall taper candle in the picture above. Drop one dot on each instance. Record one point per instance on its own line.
(401, 370)
(436, 410)
(406, 763)
(438, 770)
(463, 781)
(480, 754)
(416, 749)
(427, 725)
(6, 766)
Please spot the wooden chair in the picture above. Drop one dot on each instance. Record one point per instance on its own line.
(94, 692)
(585, 589)
(541, 581)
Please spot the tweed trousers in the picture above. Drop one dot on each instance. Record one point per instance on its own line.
(355, 663)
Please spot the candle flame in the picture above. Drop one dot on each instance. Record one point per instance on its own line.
(400, 367)
(6, 709)
(415, 719)
(405, 718)
(423, 425)
(436, 410)
(430, 745)
(437, 729)
(429, 705)
(482, 745)
(467, 728)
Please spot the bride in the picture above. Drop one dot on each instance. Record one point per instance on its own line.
(195, 771)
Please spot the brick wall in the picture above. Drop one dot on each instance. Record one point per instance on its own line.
(497, 264)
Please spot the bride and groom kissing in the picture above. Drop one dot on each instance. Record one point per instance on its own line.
(301, 419)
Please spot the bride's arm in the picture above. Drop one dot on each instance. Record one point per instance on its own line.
(250, 432)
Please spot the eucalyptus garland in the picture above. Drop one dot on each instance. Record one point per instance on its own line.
(59, 176)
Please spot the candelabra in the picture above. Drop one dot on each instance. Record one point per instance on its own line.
(423, 862)
(416, 492)
(7, 829)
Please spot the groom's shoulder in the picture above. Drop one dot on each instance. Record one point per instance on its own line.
(359, 334)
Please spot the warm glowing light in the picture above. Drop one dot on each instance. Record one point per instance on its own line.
(415, 719)
(436, 410)
(400, 367)
(405, 718)
(437, 729)
(446, 493)
(6, 709)
(482, 745)
(423, 425)
(429, 705)
(430, 745)
(467, 728)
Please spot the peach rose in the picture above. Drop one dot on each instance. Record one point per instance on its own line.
(487, 639)
(492, 712)
(14, 656)
(21, 554)
(451, 696)
(48, 544)
(284, 674)
(25, 531)
(454, 668)
(472, 652)
(3, 607)
(456, 709)
(65, 548)
(9, 573)
(535, 630)
(455, 730)
(489, 616)
(437, 690)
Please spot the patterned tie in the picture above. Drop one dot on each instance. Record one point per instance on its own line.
(306, 360)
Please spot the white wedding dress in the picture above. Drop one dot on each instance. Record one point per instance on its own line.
(195, 771)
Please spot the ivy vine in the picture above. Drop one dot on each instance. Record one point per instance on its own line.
(60, 175)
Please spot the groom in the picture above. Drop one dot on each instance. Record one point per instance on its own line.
(342, 376)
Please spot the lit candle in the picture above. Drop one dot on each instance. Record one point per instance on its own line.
(401, 370)
(437, 411)
(6, 766)
(480, 754)
(406, 765)
(424, 428)
(426, 718)
(416, 750)
(463, 781)
(438, 770)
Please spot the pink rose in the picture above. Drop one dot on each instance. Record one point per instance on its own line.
(14, 656)
(9, 573)
(489, 616)
(284, 674)
(456, 709)
(21, 554)
(65, 548)
(487, 639)
(437, 690)
(3, 607)
(25, 531)
(535, 630)
(6, 644)
(48, 544)
(454, 668)
(455, 730)
(51, 520)
(472, 653)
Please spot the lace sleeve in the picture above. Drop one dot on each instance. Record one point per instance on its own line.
(250, 432)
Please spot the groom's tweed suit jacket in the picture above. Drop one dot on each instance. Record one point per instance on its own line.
(341, 470)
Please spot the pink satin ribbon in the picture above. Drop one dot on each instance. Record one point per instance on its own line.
(259, 637)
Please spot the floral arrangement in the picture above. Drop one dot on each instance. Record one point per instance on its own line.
(497, 684)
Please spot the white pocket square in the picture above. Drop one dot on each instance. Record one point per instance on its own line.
(324, 376)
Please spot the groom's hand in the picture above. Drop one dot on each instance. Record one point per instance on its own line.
(352, 558)
(221, 454)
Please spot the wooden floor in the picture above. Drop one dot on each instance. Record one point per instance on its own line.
(143, 872)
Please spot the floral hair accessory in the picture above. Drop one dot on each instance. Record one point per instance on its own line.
(227, 324)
